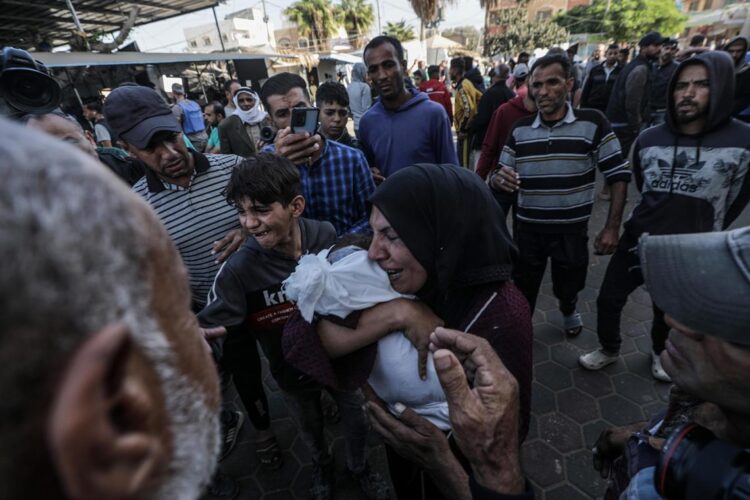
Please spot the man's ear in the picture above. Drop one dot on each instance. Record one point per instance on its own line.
(298, 205)
(107, 424)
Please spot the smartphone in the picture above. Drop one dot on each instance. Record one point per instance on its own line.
(305, 120)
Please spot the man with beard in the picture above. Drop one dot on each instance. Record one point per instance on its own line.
(213, 114)
(737, 48)
(661, 75)
(692, 172)
(403, 127)
(108, 388)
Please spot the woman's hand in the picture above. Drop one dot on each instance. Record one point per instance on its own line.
(418, 322)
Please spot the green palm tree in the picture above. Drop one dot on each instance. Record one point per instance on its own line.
(315, 19)
(357, 17)
(427, 11)
(400, 31)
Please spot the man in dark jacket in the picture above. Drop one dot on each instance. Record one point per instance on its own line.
(737, 48)
(473, 74)
(629, 100)
(601, 79)
(661, 76)
(495, 96)
(692, 172)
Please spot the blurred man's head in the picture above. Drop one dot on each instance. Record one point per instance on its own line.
(668, 50)
(433, 72)
(698, 40)
(214, 113)
(417, 78)
(230, 87)
(457, 68)
(702, 283)
(333, 101)
(92, 110)
(280, 94)
(109, 390)
(650, 45)
(500, 73)
(64, 127)
(623, 56)
(611, 56)
(737, 48)
(523, 58)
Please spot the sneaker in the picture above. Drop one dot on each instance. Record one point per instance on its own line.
(231, 423)
(321, 485)
(656, 369)
(596, 360)
(372, 484)
(573, 324)
(222, 487)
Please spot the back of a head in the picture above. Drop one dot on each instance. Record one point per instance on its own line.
(332, 92)
(359, 72)
(383, 39)
(281, 84)
(433, 72)
(697, 40)
(87, 270)
(217, 108)
(502, 71)
(458, 64)
(228, 85)
(468, 63)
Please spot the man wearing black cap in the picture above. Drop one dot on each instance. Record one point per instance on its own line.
(661, 74)
(629, 100)
(185, 190)
(692, 172)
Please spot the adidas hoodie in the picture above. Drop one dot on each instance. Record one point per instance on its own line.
(693, 183)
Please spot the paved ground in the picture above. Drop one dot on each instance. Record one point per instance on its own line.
(570, 405)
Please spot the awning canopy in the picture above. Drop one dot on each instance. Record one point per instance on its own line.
(26, 23)
(76, 59)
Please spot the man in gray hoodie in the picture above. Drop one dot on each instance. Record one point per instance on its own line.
(360, 97)
(692, 173)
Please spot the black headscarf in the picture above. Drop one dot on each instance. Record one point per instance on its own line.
(449, 220)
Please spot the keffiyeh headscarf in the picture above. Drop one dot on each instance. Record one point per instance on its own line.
(253, 115)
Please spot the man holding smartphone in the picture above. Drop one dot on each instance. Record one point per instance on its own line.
(336, 179)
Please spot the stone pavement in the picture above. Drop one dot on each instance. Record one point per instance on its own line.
(570, 406)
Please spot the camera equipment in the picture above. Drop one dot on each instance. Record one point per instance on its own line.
(25, 85)
(305, 120)
(267, 134)
(695, 465)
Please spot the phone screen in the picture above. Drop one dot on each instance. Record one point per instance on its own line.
(305, 120)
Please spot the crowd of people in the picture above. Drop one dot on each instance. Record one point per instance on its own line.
(157, 250)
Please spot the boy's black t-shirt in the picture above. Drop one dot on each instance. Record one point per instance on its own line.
(247, 299)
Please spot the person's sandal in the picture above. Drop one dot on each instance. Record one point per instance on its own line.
(572, 324)
(269, 454)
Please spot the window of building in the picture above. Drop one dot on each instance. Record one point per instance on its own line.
(285, 43)
(694, 5)
(708, 4)
(543, 14)
(206, 41)
(302, 43)
(224, 37)
(193, 43)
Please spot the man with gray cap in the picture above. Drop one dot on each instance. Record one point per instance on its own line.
(692, 173)
(702, 283)
(190, 117)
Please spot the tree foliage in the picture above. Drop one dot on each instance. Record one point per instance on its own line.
(624, 20)
(315, 19)
(468, 36)
(400, 31)
(520, 34)
(357, 17)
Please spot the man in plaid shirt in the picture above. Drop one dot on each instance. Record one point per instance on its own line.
(336, 179)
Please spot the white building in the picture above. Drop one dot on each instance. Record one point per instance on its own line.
(240, 31)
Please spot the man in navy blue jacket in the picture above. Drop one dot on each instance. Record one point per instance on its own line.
(404, 126)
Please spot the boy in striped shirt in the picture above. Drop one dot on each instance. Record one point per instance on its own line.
(551, 159)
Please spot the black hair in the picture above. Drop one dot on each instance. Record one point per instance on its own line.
(549, 60)
(218, 108)
(281, 84)
(523, 54)
(332, 92)
(433, 70)
(625, 50)
(264, 178)
(94, 106)
(228, 84)
(383, 39)
(352, 240)
(458, 63)
(468, 63)
(613, 46)
(697, 40)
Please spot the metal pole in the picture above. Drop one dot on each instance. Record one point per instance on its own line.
(78, 24)
(265, 20)
(380, 30)
(216, 20)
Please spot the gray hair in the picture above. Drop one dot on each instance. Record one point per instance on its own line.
(74, 257)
